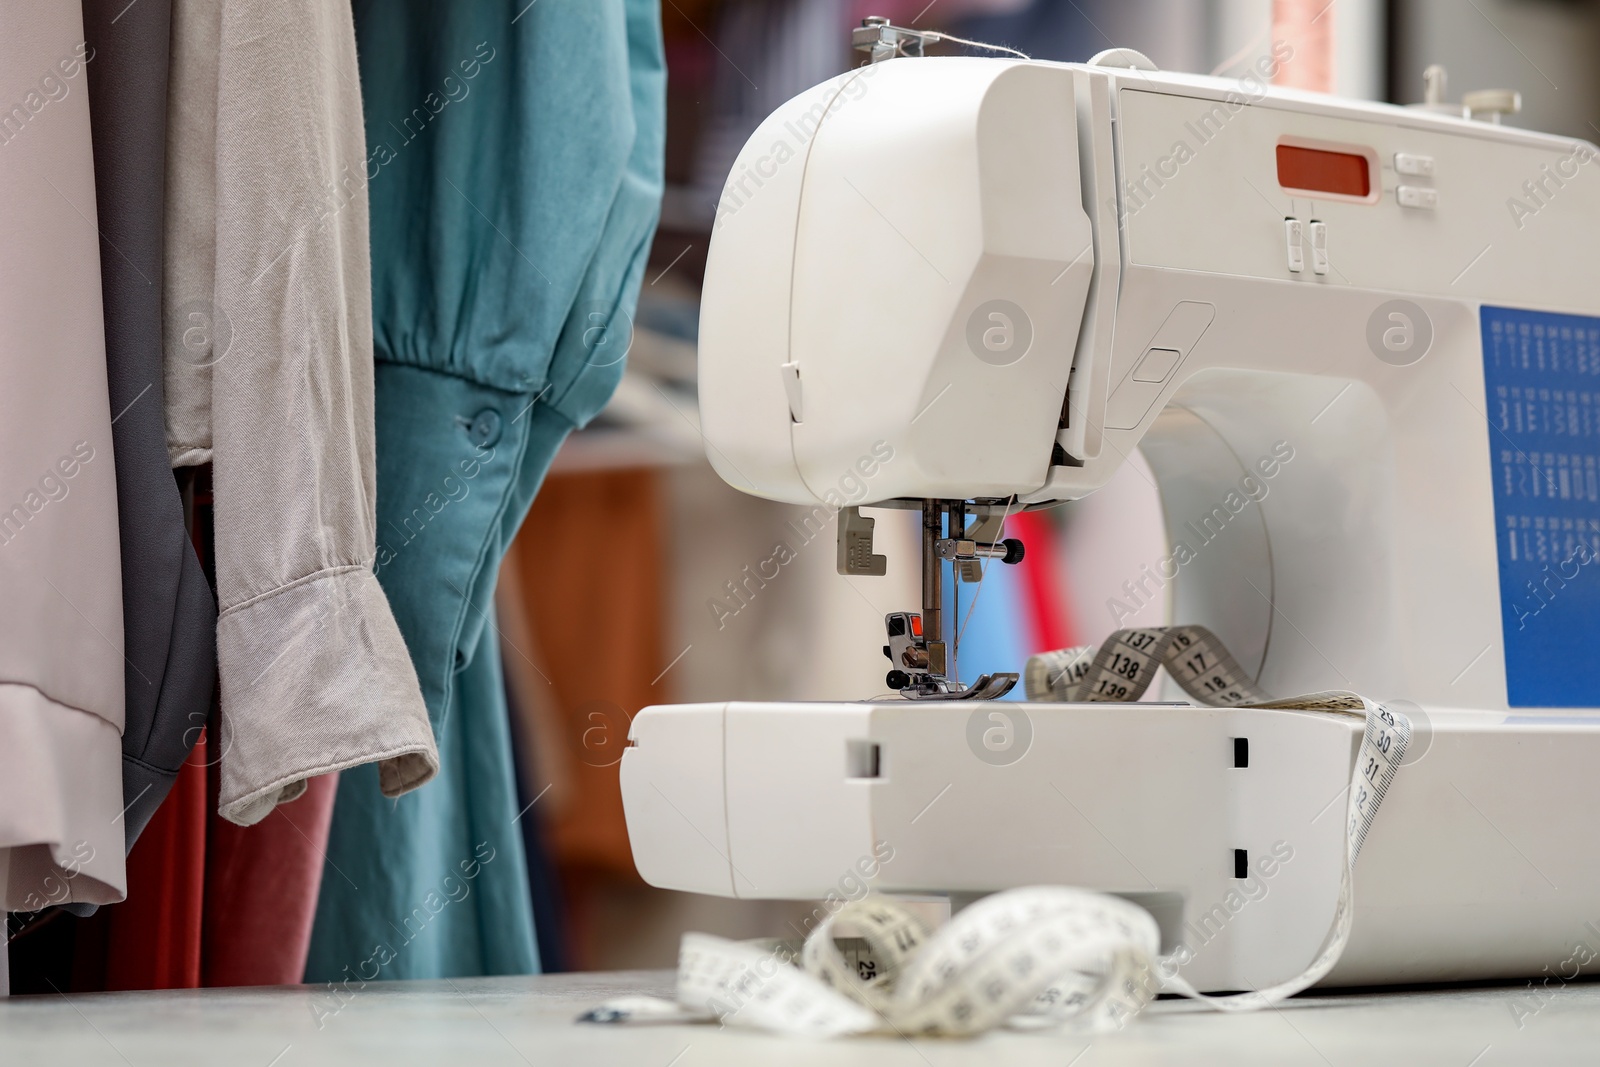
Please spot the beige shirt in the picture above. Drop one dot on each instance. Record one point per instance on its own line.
(269, 378)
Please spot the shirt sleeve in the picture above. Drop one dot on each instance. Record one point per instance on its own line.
(315, 676)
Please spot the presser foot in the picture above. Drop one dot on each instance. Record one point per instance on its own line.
(933, 687)
(919, 670)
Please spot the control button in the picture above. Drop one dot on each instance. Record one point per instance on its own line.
(1319, 247)
(1417, 196)
(1294, 234)
(1133, 397)
(1413, 164)
(1156, 365)
(484, 429)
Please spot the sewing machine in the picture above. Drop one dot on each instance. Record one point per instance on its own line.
(1005, 277)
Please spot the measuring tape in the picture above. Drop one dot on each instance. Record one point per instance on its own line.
(1125, 665)
(1035, 957)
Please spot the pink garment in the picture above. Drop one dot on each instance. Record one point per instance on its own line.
(211, 903)
(61, 665)
(261, 890)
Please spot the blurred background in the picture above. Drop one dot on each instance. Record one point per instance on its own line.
(636, 539)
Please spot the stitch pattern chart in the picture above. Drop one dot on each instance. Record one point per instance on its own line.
(1542, 384)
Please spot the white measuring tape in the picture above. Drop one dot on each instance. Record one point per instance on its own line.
(1125, 666)
(1041, 956)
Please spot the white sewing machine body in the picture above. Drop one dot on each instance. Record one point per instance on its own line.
(1162, 289)
(1145, 801)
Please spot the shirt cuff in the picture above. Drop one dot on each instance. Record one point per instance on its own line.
(316, 678)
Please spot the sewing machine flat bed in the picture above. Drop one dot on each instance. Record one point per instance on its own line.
(1228, 824)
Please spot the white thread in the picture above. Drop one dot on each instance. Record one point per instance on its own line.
(978, 44)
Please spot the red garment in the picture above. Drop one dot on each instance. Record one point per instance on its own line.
(210, 903)
(152, 939)
(1044, 589)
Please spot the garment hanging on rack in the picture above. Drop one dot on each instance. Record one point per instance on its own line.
(169, 613)
(539, 750)
(269, 378)
(261, 890)
(209, 903)
(152, 940)
(61, 664)
(515, 180)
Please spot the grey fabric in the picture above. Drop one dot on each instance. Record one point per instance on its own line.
(169, 615)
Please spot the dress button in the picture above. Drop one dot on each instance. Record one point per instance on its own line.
(484, 429)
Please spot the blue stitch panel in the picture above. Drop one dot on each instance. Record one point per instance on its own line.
(1542, 380)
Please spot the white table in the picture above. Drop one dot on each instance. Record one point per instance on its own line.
(519, 1021)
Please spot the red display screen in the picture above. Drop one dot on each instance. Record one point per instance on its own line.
(1318, 171)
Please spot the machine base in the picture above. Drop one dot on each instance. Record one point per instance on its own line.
(1226, 823)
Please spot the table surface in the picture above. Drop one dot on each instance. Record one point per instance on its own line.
(488, 1022)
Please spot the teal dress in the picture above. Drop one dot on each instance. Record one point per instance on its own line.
(515, 174)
